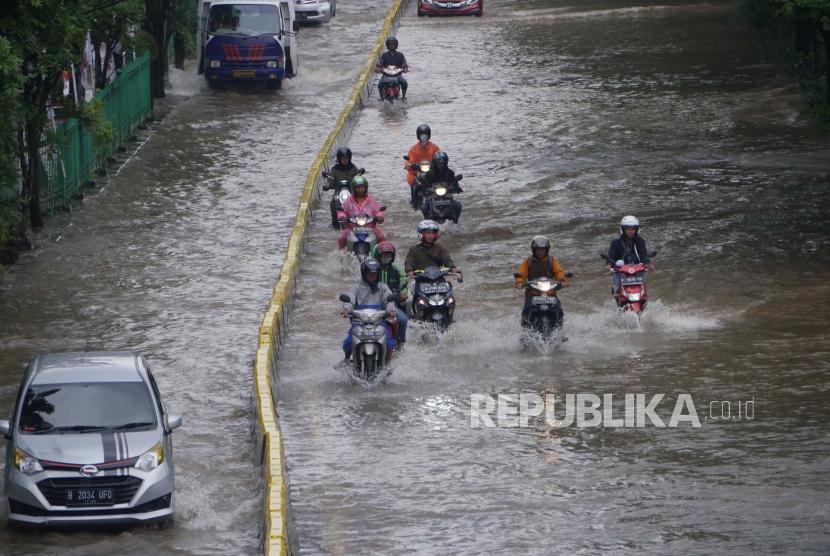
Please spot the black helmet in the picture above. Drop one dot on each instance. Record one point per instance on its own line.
(344, 151)
(391, 43)
(540, 242)
(422, 129)
(440, 160)
(369, 266)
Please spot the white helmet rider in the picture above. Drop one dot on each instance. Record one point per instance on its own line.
(629, 222)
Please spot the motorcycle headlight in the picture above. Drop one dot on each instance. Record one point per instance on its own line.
(436, 302)
(215, 64)
(271, 64)
(440, 190)
(27, 464)
(424, 167)
(544, 286)
(633, 296)
(361, 221)
(151, 459)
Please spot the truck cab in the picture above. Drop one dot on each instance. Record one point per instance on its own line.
(247, 40)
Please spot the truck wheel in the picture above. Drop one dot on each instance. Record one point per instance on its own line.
(215, 84)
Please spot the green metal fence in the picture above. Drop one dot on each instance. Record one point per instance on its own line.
(65, 167)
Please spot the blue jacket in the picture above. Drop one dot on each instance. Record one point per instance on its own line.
(392, 58)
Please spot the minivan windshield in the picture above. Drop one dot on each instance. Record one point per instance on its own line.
(244, 20)
(86, 408)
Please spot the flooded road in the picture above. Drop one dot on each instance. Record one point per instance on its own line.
(176, 257)
(563, 117)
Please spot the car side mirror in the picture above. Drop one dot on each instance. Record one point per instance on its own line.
(569, 275)
(5, 428)
(391, 298)
(406, 157)
(296, 27)
(653, 253)
(345, 298)
(174, 422)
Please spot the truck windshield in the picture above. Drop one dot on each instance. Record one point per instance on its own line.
(244, 20)
(87, 407)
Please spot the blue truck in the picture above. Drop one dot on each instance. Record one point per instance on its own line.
(247, 40)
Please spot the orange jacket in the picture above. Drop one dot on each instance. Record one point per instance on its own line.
(418, 153)
(555, 267)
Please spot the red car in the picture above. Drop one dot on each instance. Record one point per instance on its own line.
(450, 7)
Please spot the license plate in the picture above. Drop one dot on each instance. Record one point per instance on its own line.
(363, 231)
(441, 202)
(631, 281)
(435, 289)
(90, 496)
(542, 300)
(245, 74)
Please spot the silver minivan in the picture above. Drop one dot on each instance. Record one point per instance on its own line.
(89, 443)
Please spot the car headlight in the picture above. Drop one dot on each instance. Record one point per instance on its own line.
(151, 459)
(215, 63)
(27, 464)
(271, 64)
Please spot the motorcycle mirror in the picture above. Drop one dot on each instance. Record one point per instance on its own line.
(391, 298)
(406, 157)
(459, 177)
(460, 278)
(382, 209)
(361, 171)
(516, 275)
(345, 298)
(653, 253)
(569, 275)
(604, 257)
(325, 174)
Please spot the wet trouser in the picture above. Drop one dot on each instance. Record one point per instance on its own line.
(401, 81)
(403, 321)
(347, 342)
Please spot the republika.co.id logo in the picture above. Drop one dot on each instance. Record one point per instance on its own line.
(590, 410)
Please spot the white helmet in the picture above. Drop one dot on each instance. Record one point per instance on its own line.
(629, 222)
(426, 226)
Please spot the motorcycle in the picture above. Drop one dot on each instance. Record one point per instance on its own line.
(389, 83)
(631, 294)
(544, 317)
(422, 167)
(434, 301)
(341, 193)
(437, 201)
(369, 354)
(361, 237)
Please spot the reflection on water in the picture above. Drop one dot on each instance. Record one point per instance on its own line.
(562, 118)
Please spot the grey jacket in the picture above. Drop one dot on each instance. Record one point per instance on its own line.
(363, 296)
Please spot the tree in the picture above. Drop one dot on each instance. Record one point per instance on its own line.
(10, 84)
(110, 26)
(157, 15)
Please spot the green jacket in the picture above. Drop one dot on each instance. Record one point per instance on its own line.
(393, 277)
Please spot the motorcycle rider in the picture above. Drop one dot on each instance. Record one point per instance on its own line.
(427, 252)
(439, 172)
(630, 248)
(359, 203)
(343, 170)
(424, 149)
(369, 293)
(393, 58)
(540, 263)
(395, 278)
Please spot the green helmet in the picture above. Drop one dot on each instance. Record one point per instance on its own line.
(359, 180)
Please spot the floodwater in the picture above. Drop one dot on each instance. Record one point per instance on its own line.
(176, 258)
(563, 117)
